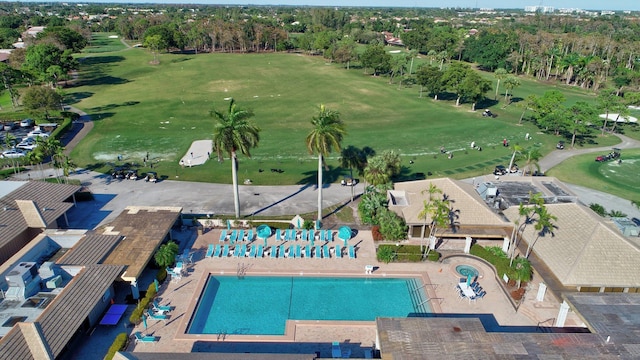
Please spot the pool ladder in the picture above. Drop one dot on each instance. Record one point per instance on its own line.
(242, 270)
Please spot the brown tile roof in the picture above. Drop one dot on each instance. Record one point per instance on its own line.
(466, 338)
(464, 199)
(91, 249)
(47, 196)
(144, 229)
(584, 250)
(66, 313)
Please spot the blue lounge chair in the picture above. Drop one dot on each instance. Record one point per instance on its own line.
(290, 252)
(158, 307)
(278, 235)
(225, 251)
(234, 236)
(244, 251)
(281, 251)
(336, 352)
(153, 316)
(352, 252)
(303, 235)
(325, 252)
(250, 235)
(240, 235)
(329, 235)
(274, 252)
(317, 252)
(307, 251)
(312, 235)
(210, 250)
(144, 338)
(223, 235)
(252, 253)
(297, 252)
(218, 250)
(338, 251)
(260, 251)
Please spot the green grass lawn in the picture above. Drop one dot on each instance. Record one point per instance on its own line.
(617, 179)
(161, 109)
(102, 43)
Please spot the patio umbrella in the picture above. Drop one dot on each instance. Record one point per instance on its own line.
(469, 280)
(228, 225)
(155, 282)
(263, 231)
(144, 321)
(344, 233)
(299, 226)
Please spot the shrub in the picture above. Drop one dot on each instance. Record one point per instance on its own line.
(501, 263)
(598, 209)
(433, 256)
(375, 233)
(308, 225)
(392, 226)
(403, 253)
(120, 343)
(496, 251)
(161, 275)
(386, 254)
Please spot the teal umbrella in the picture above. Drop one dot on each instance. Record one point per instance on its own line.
(263, 231)
(344, 233)
(469, 280)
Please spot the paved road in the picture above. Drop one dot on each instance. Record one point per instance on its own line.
(557, 156)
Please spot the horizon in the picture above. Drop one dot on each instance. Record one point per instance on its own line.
(589, 5)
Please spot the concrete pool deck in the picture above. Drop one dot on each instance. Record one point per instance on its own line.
(312, 336)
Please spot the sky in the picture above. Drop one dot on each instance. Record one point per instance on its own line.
(496, 4)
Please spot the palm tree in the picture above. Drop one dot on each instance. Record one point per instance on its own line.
(531, 158)
(517, 149)
(352, 157)
(234, 132)
(166, 254)
(428, 207)
(376, 172)
(510, 83)
(500, 74)
(327, 133)
(543, 225)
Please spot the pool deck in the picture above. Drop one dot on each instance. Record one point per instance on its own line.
(440, 280)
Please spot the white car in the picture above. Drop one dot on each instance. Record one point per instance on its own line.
(38, 133)
(12, 154)
(27, 123)
(27, 144)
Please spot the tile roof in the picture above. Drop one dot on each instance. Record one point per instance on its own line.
(65, 315)
(466, 338)
(91, 249)
(470, 207)
(48, 197)
(584, 250)
(144, 228)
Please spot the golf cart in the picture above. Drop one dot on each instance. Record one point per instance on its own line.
(500, 170)
(488, 113)
(132, 174)
(613, 155)
(560, 145)
(151, 177)
(349, 182)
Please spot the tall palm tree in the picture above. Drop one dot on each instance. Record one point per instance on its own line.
(234, 132)
(499, 74)
(328, 130)
(543, 225)
(352, 157)
(376, 172)
(531, 157)
(428, 207)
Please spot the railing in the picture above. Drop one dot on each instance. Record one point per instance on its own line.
(538, 327)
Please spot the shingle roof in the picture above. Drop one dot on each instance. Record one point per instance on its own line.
(91, 249)
(472, 209)
(46, 195)
(584, 250)
(66, 313)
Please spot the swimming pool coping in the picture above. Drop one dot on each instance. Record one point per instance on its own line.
(292, 325)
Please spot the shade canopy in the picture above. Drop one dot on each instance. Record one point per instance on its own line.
(263, 231)
(344, 233)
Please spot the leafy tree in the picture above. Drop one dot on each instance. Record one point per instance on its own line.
(607, 102)
(430, 78)
(154, 43)
(581, 114)
(371, 203)
(41, 57)
(392, 226)
(374, 57)
(64, 36)
(166, 254)
(531, 157)
(490, 49)
(233, 132)
(345, 52)
(528, 104)
(8, 78)
(454, 76)
(473, 87)
(40, 100)
(327, 133)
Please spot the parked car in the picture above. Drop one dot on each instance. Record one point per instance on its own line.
(27, 144)
(500, 170)
(8, 126)
(27, 123)
(38, 133)
(12, 154)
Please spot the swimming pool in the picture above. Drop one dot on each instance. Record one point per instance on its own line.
(467, 270)
(256, 305)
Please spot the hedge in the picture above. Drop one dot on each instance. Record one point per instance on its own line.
(500, 262)
(136, 314)
(120, 343)
(405, 253)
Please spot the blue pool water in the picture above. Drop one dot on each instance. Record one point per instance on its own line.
(257, 305)
(466, 270)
